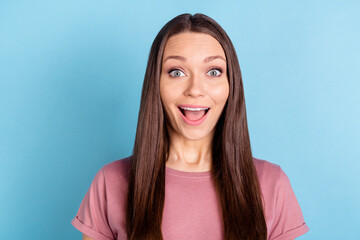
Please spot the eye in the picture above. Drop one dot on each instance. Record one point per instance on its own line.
(215, 72)
(176, 73)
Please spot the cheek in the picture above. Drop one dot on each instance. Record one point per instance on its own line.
(163, 93)
(169, 92)
(165, 96)
(166, 99)
(221, 93)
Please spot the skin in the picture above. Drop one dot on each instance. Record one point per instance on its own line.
(196, 81)
(190, 146)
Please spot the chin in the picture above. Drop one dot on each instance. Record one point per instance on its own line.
(195, 135)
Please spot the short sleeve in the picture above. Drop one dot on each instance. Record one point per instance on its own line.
(289, 222)
(92, 218)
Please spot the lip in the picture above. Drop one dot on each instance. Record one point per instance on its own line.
(192, 106)
(191, 122)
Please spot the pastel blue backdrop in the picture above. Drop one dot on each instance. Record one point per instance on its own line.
(71, 74)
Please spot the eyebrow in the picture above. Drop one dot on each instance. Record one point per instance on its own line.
(207, 59)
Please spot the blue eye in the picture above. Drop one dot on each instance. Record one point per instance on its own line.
(176, 73)
(214, 72)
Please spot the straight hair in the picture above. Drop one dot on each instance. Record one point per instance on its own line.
(233, 170)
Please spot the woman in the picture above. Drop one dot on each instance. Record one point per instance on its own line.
(192, 174)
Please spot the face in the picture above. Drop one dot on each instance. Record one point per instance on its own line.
(193, 84)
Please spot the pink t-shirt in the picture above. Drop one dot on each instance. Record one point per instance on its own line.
(191, 209)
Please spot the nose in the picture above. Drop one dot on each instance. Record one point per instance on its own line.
(195, 87)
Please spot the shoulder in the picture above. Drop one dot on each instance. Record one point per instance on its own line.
(261, 165)
(283, 214)
(117, 169)
(271, 177)
(267, 170)
(102, 212)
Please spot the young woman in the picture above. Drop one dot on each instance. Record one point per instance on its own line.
(192, 174)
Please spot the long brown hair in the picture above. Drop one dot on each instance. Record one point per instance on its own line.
(233, 170)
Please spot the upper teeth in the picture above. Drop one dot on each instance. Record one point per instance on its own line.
(193, 109)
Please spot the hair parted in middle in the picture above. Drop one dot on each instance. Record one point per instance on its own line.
(233, 170)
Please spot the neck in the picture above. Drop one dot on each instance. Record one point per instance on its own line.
(189, 155)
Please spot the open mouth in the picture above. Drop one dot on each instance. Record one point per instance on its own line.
(193, 115)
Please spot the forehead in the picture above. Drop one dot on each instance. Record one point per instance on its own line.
(190, 43)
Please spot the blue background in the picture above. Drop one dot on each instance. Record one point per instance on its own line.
(70, 81)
